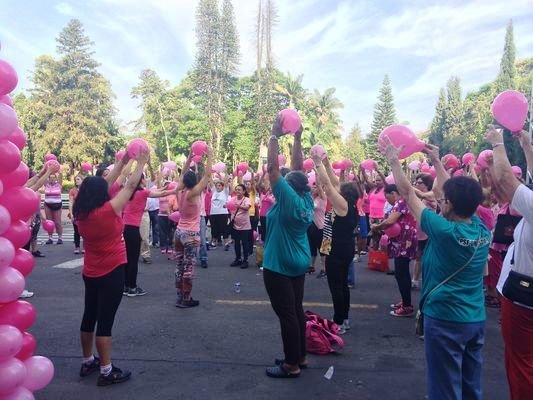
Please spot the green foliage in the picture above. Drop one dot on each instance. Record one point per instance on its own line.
(353, 146)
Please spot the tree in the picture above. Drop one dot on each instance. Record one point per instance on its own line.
(453, 140)
(384, 115)
(293, 90)
(506, 76)
(353, 145)
(438, 125)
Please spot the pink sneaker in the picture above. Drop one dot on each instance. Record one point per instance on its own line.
(396, 306)
(403, 312)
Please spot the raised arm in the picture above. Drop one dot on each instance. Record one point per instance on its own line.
(273, 152)
(39, 180)
(199, 188)
(117, 169)
(339, 203)
(330, 173)
(119, 201)
(442, 176)
(297, 157)
(525, 142)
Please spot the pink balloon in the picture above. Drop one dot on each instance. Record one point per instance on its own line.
(18, 177)
(120, 154)
(53, 165)
(8, 120)
(49, 226)
(389, 180)
(425, 167)
(401, 135)
(517, 171)
(337, 171)
(308, 164)
(10, 342)
(393, 230)
(347, 163)
(290, 121)
(414, 165)
(7, 252)
(337, 165)
(450, 161)
(482, 159)
(23, 260)
(199, 148)
(170, 165)
(256, 235)
(1, 187)
(10, 156)
(369, 165)
(351, 176)
(8, 78)
(5, 99)
(39, 372)
(135, 146)
(11, 284)
(50, 156)
(196, 158)
(18, 138)
(383, 241)
(459, 172)
(20, 393)
(510, 109)
(433, 172)
(281, 160)
(247, 176)
(86, 166)
(5, 220)
(18, 234)
(468, 158)
(219, 167)
(20, 314)
(21, 202)
(242, 167)
(231, 206)
(28, 346)
(175, 217)
(319, 151)
(12, 374)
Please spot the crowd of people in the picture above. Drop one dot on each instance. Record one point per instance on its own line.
(464, 240)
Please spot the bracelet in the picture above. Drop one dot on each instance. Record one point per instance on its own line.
(494, 145)
(273, 137)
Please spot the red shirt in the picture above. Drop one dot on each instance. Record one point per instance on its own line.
(114, 189)
(102, 240)
(73, 193)
(133, 212)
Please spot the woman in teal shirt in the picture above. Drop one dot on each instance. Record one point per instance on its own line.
(287, 254)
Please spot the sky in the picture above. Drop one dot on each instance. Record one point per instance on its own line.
(346, 44)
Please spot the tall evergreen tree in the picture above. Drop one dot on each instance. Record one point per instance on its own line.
(454, 117)
(506, 76)
(438, 125)
(353, 146)
(384, 115)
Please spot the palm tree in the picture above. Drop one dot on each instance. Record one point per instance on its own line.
(292, 89)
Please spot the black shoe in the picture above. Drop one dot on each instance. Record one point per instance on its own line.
(391, 273)
(59, 241)
(136, 292)
(125, 291)
(236, 263)
(87, 369)
(38, 254)
(187, 303)
(203, 264)
(281, 361)
(244, 265)
(115, 376)
(280, 372)
(49, 241)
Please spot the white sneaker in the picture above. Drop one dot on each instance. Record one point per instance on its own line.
(415, 285)
(342, 329)
(357, 258)
(26, 294)
(346, 325)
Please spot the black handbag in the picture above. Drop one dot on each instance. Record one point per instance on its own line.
(518, 287)
(505, 226)
(231, 221)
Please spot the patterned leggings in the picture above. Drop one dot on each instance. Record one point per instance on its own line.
(187, 244)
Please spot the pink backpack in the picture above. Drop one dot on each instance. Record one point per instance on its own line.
(321, 335)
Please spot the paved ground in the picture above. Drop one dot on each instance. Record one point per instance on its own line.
(220, 349)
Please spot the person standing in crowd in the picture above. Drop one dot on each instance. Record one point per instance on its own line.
(516, 279)
(401, 248)
(452, 291)
(315, 230)
(266, 201)
(72, 194)
(189, 192)
(53, 206)
(152, 205)
(364, 228)
(376, 203)
(219, 215)
(99, 220)
(287, 255)
(165, 229)
(241, 226)
(251, 192)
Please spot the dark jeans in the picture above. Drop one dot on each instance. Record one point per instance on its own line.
(132, 237)
(263, 228)
(102, 298)
(154, 225)
(219, 227)
(403, 277)
(254, 221)
(241, 238)
(165, 238)
(286, 295)
(337, 264)
(77, 238)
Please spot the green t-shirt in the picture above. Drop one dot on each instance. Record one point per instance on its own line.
(286, 247)
(450, 246)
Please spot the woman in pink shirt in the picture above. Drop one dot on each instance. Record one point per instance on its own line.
(267, 199)
(187, 235)
(376, 204)
(52, 207)
(241, 226)
(315, 230)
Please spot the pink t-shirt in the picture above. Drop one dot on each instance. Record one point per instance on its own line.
(190, 212)
(133, 212)
(163, 205)
(242, 217)
(114, 189)
(267, 201)
(486, 216)
(319, 215)
(377, 200)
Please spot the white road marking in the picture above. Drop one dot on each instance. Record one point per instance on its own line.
(305, 304)
(75, 263)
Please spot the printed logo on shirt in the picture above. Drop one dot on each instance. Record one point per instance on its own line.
(475, 242)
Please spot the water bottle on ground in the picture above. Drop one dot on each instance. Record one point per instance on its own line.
(237, 287)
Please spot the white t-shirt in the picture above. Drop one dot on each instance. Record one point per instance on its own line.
(522, 248)
(218, 201)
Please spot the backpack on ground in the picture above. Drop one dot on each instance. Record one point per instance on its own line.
(321, 335)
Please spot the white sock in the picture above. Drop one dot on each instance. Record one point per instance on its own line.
(106, 369)
(88, 360)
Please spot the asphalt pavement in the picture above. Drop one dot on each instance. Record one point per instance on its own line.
(220, 349)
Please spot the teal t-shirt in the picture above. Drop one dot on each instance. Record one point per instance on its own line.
(450, 246)
(286, 247)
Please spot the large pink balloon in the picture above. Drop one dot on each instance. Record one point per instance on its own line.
(21, 202)
(8, 78)
(10, 342)
(175, 217)
(39, 372)
(337, 165)
(247, 177)
(28, 346)
(199, 148)
(319, 151)
(389, 180)
(5, 99)
(290, 121)
(7, 252)
(18, 233)
(20, 393)
(219, 167)
(459, 172)
(242, 167)
(18, 138)
(18, 177)
(49, 226)
(8, 120)
(135, 146)
(1, 187)
(86, 166)
(347, 163)
(369, 165)
(414, 165)
(5, 219)
(11, 284)
(433, 172)
(23, 261)
(393, 230)
(119, 155)
(308, 164)
(401, 135)
(425, 167)
(450, 161)
(20, 314)
(10, 156)
(468, 158)
(196, 159)
(482, 159)
(50, 156)
(12, 374)
(53, 165)
(231, 206)
(510, 109)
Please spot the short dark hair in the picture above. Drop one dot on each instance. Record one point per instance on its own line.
(243, 189)
(350, 192)
(298, 181)
(465, 194)
(93, 193)
(427, 179)
(284, 171)
(189, 179)
(391, 188)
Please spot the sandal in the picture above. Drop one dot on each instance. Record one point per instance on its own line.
(281, 361)
(492, 302)
(280, 372)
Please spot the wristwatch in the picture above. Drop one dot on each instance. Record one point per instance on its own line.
(494, 145)
(273, 137)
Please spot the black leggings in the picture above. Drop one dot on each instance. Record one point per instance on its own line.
(263, 228)
(219, 227)
(253, 221)
(403, 277)
(337, 272)
(77, 238)
(314, 236)
(286, 295)
(102, 298)
(165, 238)
(241, 238)
(132, 237)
